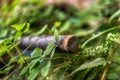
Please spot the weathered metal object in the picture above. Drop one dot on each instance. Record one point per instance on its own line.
(67, 43)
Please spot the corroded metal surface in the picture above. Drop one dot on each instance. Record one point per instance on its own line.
(66, 42)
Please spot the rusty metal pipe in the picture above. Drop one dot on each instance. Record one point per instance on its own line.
(67, 43)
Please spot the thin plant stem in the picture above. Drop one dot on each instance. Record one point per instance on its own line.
(103, 77)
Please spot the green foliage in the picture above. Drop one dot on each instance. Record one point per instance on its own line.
(113, 76)
(21, 28)
(42, 30)
(45, 69)
(57, 24)
(49, 48)
(99, 34)
(6, 70)
(37, 52)
(33, 73)
(114, 37)
(56, 34)
(65, 27)
(94, 63)
(39, 65)
(97, 28)
(116, 14)
(4, 46)
(3, 32)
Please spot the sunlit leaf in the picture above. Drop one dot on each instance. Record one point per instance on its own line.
(45, 69)
(52, 53)
(36, 53)
(5, 41)
(2, 52)
(65, 27)
(42, 30)
(18, 27)
(56, 35)
(17, 35)
(3, 32)
(49, 48)
(26, 27)
(24, 70)
(47, 11)
(115, 15)
(33, 63)
(57, 24)
(34, 72)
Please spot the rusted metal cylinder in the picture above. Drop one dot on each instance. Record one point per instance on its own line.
(67, 43)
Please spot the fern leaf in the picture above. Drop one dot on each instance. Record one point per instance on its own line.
(114, 37)
(99, 34)
(94, 63)
(93, 73)
(92, 51)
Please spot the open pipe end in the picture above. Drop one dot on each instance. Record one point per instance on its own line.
(69, 43)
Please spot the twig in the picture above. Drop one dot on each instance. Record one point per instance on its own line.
(107, 65)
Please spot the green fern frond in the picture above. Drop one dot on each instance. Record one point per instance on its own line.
(93, 73)
(99, 34)
(94, 63)
(114, 37)
(93, 51)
